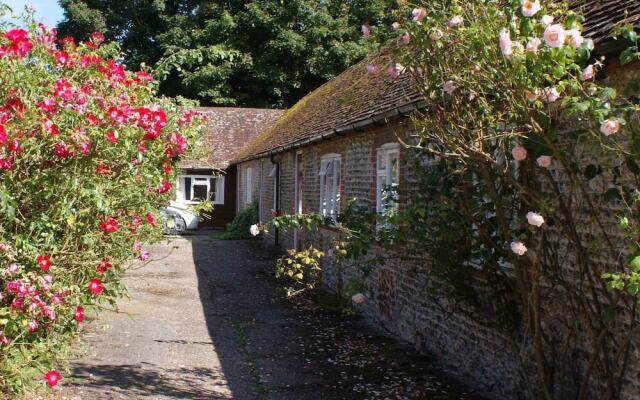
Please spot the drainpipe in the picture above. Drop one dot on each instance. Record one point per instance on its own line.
(276, 196)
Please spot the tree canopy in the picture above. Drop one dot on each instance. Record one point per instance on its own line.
(260, 53)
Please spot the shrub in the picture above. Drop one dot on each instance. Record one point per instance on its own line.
(239, 227)
(86, 157)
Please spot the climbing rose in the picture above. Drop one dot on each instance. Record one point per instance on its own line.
(109, 226)
(32, 326)
(588, 73)
(366, 32)
(151, 220)
(555, 35)
(544, 161)
(254, 230)
(45, 262)
(535, 219)
(530, 8)
(418, 14)
(550, 94)
(519, 248)
(546, 20)
(455, 21)
(610, 127)
(358, 298)
(79, 314)
(52, 378)
(95, 286)
(519, 153)
(505, 43)
(533, 45)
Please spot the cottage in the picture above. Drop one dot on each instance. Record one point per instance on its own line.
(209, 175)
(342, 142)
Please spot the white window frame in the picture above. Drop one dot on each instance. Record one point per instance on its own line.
(330, 196)
(386, 172)
(219, 189)
(248, 196)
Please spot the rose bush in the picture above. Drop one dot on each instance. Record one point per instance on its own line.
(86, 160)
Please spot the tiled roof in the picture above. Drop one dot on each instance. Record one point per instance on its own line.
(356, 95)
(227, 131)
(601, 16)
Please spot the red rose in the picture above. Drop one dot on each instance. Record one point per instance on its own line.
(151, 220)
(95, 286)
(109, 226)
(45, 262)
(79, 314)
(52, 378)
(103, 266)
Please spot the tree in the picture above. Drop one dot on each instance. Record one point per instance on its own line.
(250, 53)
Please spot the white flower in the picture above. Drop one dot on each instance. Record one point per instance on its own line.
(535, 219)
(550, 94)
(519, 248)
(530, 8)
(358, 298)
(575, 37)
(610, 127)
(254, 230)
(547, 20)
(533, 45)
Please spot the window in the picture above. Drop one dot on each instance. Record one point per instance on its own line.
(274, 174)
(197, 188)
(249, 188)
(330, 185)
(387, 177)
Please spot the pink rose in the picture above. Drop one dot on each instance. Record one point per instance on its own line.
(533, 45)
(610, 127)
(32, 326)
(535, 219)
(546, 20)
(575, 37)
(550, 94)
(418, 14)
(530, 8)
(455, 21)
(406, 38)
(395, 26)
(366, 32)
(544, 161)
(505, 43)
(372, 69)
(519, 153)
(358, 298)
(555, 35)
(395, 70)
(519, 248)
(588, 73)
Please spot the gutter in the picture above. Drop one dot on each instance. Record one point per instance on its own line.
(376, 120)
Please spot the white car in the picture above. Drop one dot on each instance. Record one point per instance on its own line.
(180, 218)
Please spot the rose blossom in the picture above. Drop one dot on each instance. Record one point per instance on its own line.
(555, 35)
(575, 37)
(358, 298)
(109, 226)
(373, 69)
(588, 72)
(544, 161)
(550, 94)
(52, 378)
(519, 248)
(45, 262)
(254, 230)
(406, 38)
(144, 256)
(530, 8)
(79, 314)
(366, 32)
(418, 14)
(395, 26)
(32, 326)
(610, 127)
(505, 43)
(95, 286)
(519, 153)
(546, 20)
(395, 70)
(533, 45)
(455, 21)
(535, 219)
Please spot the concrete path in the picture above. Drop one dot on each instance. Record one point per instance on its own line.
(207, 321)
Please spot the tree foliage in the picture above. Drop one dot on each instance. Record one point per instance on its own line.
(250, 53)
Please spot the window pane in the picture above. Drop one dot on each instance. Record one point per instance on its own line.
(187, 188)
(212, 189)
(382, 163)
(395, 168)
(200, 192)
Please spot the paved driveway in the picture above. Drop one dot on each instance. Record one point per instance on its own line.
(206, 321)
